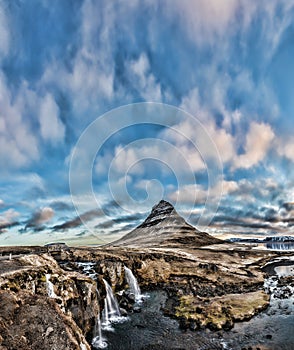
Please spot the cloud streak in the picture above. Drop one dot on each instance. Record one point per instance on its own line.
(39, 218)
(78, 220)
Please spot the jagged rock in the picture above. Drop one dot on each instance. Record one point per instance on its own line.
(137, 309)
(49, 330)
(112, 271)
(131, 297)
(123, 311)
(37, 323)
(33, 320)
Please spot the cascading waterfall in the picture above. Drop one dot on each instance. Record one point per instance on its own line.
(98, 342)
(133, 284)
(111, 310)
(50, 287)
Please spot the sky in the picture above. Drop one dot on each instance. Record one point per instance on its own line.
(108, 106)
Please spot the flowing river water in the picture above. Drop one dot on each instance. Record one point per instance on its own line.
(272, 329)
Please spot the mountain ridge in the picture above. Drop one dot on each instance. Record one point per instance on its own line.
(164, 227)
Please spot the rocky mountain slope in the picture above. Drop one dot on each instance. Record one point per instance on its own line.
(164, 227)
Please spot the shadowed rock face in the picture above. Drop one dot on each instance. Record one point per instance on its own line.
(165, 227)
(29, 319)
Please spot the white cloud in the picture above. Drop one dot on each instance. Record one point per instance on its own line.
(8, 217)
(223, 141)
(52, 128)
(42, 216)
(182, 160)
(18, 144)
(213, 22)
(192, 193)
(89, 81)
(220, 136)
(195, 193)
(1, 203)
(285, 148)
(258, 141)
(192, 104)
(143, 80)
(141, 66)
(229, 187)
(276, 24)
(124, 158)
(204, 18)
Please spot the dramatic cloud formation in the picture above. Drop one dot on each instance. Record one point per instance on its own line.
(64, 64)
(40, 217)
(79, 220)
(7, 219)
(258, 142)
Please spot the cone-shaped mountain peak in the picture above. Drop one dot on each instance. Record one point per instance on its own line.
(163, 205)
(164, 227)
(160, 212)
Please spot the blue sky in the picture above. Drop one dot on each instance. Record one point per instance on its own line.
(63, 64)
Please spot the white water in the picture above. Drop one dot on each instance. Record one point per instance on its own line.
(133, 284)
(98, 342)
(111, 311)
(88, 269)
(281, 294)
(50, 287)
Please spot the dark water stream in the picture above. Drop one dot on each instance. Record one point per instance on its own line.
(149, 329)
(272, 329)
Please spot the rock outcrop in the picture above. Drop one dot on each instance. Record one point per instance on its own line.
(220, 311)
(30, 319)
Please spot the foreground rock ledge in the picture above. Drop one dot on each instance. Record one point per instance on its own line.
(30, 320)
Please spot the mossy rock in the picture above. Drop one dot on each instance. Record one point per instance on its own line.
(221, 312)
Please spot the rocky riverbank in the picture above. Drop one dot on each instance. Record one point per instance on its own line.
(204, 288)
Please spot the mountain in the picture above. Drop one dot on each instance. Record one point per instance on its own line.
(164, 227)
(270, 239)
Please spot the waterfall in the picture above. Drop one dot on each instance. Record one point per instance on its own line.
(98, 342)
(50, 287)
(133, 283)
(83, 346)
(111, 309)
